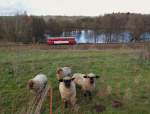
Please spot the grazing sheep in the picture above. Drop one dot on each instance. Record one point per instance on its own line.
(62, 72)
(67, 90)
(86, 82)
(38, 83)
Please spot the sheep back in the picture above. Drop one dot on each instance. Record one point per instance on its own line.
(62, 72)
(39, 82)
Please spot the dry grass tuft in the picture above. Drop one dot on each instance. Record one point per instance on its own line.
(145, 54)
(128, 94)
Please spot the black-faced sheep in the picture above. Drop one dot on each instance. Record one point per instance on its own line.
(38, 83)
(86, 82)
(62, 72)
(67, 90)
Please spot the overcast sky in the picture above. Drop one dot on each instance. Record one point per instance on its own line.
(74, 7)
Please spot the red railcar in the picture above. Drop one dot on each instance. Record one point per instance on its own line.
(61, 40)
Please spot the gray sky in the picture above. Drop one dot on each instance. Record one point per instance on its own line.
(74, 7)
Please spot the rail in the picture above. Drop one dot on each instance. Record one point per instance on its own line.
(79, 46)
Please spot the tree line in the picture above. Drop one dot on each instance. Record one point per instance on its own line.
(31, 29)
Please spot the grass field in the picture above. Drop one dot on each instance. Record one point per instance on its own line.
(124, 77)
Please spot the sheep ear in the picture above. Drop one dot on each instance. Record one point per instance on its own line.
(97, 76)
(85, 76)
(72, 79)
(60, 80)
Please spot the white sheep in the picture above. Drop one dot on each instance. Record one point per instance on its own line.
(62, 72)
(67, 90)
(86, 82)
(38, 83)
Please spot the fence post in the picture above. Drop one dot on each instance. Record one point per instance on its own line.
(50, 98)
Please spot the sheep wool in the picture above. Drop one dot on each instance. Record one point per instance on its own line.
(79, 80)
(66, 71)
(38, 83)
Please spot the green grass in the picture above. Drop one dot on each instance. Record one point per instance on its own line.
(124, 77)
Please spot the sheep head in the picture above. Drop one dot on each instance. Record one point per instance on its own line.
(91, 77)
(67, 81)
(30, 84)
(59, 73)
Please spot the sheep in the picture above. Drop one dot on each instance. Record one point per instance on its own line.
(86, 82)
(62, 72)
(38, 83)
(67, 90)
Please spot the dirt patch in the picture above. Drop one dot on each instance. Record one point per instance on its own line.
(116, 104)
(99, 108)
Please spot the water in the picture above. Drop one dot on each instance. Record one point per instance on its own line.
(90, 36)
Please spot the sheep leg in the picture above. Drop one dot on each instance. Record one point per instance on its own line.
(85, 94)
(73, 101)
(89, 94)
(66, 104)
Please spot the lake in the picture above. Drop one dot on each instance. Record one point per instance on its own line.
(90, 36)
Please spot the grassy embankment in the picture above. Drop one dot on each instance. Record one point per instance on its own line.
(124, 77)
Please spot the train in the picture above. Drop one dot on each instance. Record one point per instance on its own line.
(61, 40)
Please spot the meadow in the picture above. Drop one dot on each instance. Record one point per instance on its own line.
(124, 76)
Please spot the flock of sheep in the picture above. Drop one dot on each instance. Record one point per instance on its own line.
(67, 84)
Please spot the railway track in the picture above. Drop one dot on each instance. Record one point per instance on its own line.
(79, 46)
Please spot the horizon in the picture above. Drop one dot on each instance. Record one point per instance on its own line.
(41, 15)
(72, 7)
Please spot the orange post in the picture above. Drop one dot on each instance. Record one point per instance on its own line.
(57, 104)
(50, 100)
